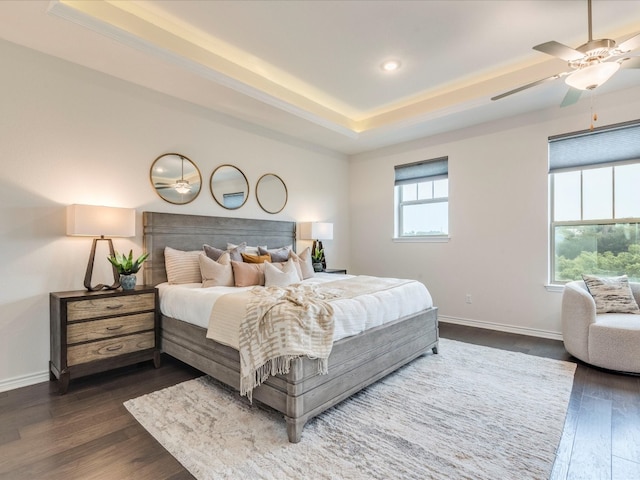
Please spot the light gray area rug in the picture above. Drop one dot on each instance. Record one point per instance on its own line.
(470, 412)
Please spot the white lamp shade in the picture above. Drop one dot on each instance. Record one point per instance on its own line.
(96, 221)
(316, 231)
(592, 77)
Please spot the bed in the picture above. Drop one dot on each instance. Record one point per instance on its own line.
(355, 361)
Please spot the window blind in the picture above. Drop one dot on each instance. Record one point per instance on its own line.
(613, 144)
(422, 171)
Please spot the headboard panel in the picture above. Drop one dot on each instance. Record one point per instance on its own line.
(190, 232)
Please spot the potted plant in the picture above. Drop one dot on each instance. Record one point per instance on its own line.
(316, 259)
(127, 268)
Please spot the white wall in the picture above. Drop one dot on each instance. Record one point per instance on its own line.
(71, 135)
(498, 223)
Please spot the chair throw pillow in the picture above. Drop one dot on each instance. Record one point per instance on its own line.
(611, 294)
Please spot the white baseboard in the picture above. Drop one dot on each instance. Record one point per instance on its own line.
(23, 381)
(532, 332)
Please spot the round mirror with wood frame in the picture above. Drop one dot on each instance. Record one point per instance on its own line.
(175, 178)
(229, 187)
(271, 193)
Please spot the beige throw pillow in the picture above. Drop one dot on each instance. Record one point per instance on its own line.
(304, 261)
(181, 266)
(247, 274)
(216, 273)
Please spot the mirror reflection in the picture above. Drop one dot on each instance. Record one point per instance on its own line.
(229, 187)
(271, 193)
(175, 178)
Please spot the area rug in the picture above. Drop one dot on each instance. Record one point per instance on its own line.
(470, 412)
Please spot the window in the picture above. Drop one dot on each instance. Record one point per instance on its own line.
(595, 203)
(422, 199)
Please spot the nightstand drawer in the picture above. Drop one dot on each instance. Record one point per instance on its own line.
(88, 352)
(102, 307)
(109, 327)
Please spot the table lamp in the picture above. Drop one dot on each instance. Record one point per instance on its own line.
(100, 222)
(317, 231)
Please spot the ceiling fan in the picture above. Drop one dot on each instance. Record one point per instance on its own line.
(591, 64)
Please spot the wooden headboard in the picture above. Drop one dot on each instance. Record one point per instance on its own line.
(191, 232)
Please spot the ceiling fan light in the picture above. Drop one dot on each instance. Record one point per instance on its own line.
(390, 65)
(593, 76)
(182, 187)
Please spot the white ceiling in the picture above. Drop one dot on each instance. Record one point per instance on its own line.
(311, 69)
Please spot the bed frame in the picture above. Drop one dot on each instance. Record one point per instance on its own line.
(355, 362)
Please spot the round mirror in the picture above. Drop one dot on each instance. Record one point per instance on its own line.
(229, 187)
(175, 178)
(271, 193)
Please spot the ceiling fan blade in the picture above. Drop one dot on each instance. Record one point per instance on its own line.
(559, 50)
(529, 85)
(572, 96)
(630, 44)
(633, 62)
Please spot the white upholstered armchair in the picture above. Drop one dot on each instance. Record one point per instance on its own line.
(607, 340)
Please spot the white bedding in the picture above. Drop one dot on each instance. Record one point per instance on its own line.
(192, 303)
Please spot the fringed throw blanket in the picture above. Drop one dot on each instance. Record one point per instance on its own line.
(279, 324)
(282, 324)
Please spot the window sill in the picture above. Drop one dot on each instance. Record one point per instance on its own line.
(554, 288)
(430, 239)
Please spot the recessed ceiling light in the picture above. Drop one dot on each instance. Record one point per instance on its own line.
(390, 65)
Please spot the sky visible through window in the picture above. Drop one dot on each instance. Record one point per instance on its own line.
(598, 199)
(426, 218)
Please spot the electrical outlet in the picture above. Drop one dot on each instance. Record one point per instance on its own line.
(467, 298)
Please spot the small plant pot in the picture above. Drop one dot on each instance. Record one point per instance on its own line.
(317, 267)
(128, 282)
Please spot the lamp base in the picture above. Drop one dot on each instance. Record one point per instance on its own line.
(89, 274)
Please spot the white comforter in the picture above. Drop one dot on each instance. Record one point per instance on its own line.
(193, 304)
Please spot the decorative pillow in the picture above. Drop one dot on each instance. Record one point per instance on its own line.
(247, 274)
(181, 266)
(304, 260)
(216, 274)
(275, 277)
(235, 252)
(244, 248)
(212, 252)
(277, 254)
(256, 258)
(296, 264)
(611, 294)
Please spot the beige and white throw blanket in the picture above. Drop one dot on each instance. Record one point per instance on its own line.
(279, 324)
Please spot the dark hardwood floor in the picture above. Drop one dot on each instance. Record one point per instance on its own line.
(88, 434)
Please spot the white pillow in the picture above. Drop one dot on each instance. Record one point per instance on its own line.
(181, 266)
(243, 248)
(274, 277)
(216, 273)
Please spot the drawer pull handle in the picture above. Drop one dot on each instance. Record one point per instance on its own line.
(115, 307)
(114, 348)
(116, 327)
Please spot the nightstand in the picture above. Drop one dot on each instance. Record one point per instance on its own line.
(93, 332)
(335, 270)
